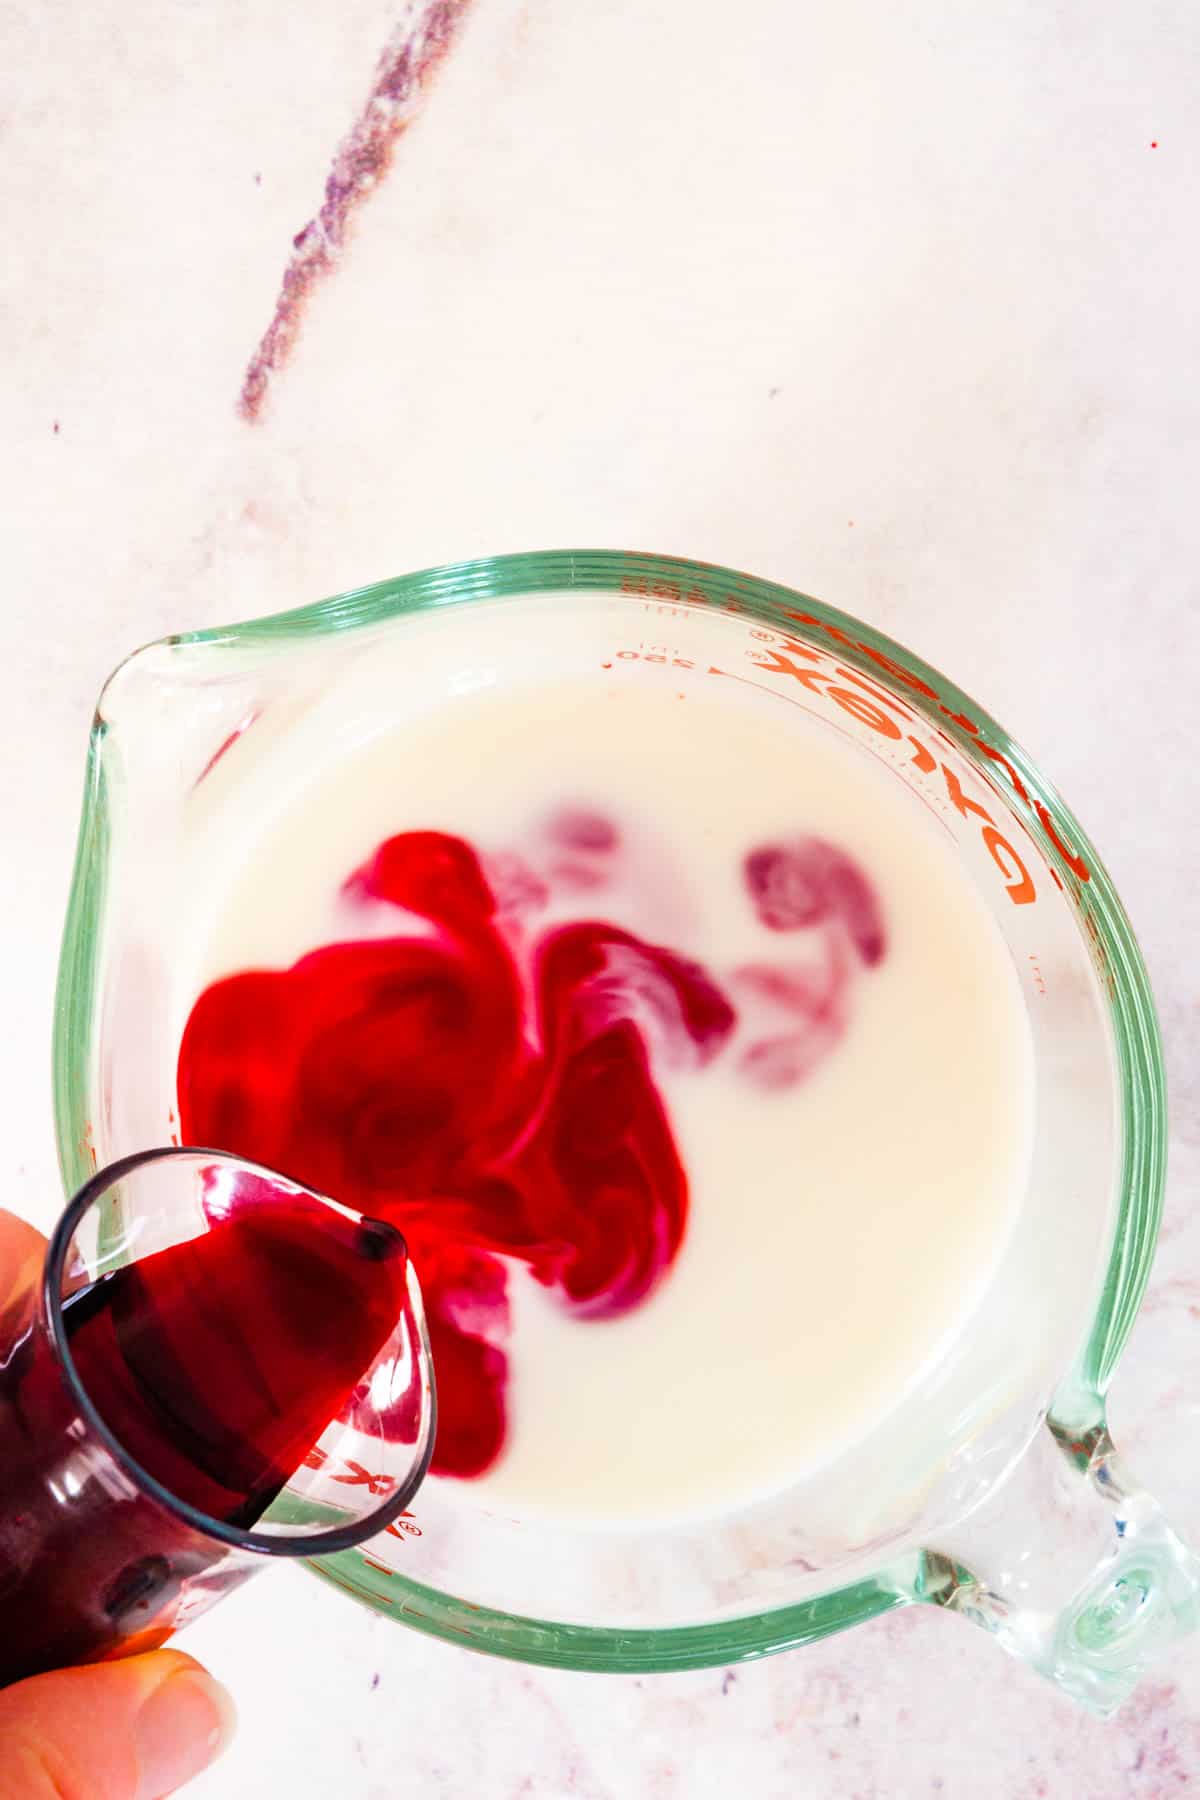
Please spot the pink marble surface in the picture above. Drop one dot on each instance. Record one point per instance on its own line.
(897, 308)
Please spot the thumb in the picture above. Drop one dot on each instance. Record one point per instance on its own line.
(21, 1252)
(130, 1730)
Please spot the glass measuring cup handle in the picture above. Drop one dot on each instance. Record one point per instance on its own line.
(1072, 1566)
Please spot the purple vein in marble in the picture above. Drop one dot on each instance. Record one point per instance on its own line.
(404, 72)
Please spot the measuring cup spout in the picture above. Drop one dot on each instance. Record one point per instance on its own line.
(1071, 1566)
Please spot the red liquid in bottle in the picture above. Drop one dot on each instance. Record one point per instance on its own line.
(216, 1364)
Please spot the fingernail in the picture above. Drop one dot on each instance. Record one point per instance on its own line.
(183, 1726)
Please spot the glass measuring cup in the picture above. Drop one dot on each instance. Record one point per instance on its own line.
(992, 1491)
(159, 1440)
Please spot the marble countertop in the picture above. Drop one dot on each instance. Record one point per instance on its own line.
(894, 305)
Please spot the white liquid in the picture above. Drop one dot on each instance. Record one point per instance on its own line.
(841, 1231)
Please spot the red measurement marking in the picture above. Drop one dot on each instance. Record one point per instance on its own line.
(885, 699)
(655, 654)
(996, 756)
(354, 1588)
(357, 1476)
(664, 590)
(1022, 891)
(962, 802)
(1071, 857)
(226, 745)
(404, 1526)
(1017, 880)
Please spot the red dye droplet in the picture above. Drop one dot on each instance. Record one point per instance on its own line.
(801, 882)
(577, 829)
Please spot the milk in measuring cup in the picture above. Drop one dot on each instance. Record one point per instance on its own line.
(826, 1180)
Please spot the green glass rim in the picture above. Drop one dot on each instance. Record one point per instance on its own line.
(1137, 1047)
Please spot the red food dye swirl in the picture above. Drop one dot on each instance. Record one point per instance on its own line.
(490, 1089)
(489, 1111)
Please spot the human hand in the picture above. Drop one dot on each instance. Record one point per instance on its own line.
(136, 1729)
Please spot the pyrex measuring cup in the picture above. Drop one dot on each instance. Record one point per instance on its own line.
(992, 1491)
